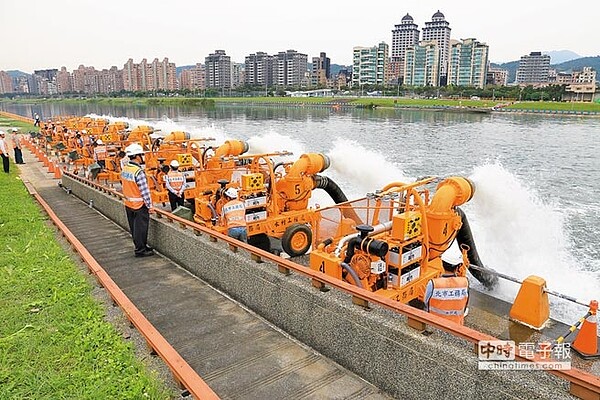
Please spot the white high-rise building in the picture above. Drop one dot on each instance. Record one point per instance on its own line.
(404, 35)
(438, 29)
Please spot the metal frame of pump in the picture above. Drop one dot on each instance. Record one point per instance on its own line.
(276, 204)
(399, 245)
(178, 146)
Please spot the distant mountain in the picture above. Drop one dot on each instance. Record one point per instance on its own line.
(561, 56)
(15, 74)
(578, 64)
(183, 68)
(568, 66)
(511, 67)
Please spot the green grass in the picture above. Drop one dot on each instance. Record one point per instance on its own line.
(387, 102)
(54, 341)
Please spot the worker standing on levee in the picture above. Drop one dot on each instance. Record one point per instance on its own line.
(100, 153)
(175, 183)
(448, 295)
(234, 216)
(4, 152)
(17, 146)
(138, 204)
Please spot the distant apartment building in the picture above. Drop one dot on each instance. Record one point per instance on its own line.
(404, 35)
(85, 80)
(45, 81)
(193, 78)
(289, 69)
(130, 76)
(467, 64)
(218, 70)
(64, 82)
(582, 87)
(369, 65)
(321, 70)
(259, 69)
(533, 68)
(422, 65)
(110, 80)
(6, 83)
(237, 75)
(497, 76)
(438, 29)
(147, 77)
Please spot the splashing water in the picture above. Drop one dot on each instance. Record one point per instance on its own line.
(519, 235)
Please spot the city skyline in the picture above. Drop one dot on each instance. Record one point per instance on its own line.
(104, 34)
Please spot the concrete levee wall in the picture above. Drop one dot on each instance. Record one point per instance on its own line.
(376, 345)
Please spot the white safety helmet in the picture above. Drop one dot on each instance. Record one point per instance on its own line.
(84, 131)
(99, 141)
(15, 130)
(174, 164)
(134, 149)
(232, 193)
(2, 133)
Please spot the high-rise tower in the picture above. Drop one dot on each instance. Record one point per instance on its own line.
(404, 35)
(439, 29)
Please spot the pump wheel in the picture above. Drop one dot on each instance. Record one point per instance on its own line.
(296, 239)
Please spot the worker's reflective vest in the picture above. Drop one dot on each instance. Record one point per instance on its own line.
(16, 141)
(131, 191)
(100, 152)
(176, 180)
(234, 213)
(449, 298)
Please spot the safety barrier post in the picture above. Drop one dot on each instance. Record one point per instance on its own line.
(531, 306)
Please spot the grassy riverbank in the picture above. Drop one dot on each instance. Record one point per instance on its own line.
(383, 102)
(54, 340)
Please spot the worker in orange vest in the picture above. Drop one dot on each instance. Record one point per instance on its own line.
(100, 153)
(138, 204)
(175, 183)
(448, 295)
(234, 216)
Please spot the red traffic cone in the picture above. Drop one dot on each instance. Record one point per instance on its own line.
(586, 342)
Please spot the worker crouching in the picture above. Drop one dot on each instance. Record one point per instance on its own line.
(234, 216)
(448, 295)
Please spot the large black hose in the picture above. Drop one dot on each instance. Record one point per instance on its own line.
(332, 189)
(353, 274)
(464, 236)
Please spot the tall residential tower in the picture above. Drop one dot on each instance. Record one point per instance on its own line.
(404, 36)
(438, 29)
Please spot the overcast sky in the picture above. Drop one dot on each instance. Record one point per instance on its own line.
(41, 34)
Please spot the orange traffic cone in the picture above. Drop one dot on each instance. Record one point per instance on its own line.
(586, 342)
(57, 171)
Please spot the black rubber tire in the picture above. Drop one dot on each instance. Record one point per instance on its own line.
(289, 240)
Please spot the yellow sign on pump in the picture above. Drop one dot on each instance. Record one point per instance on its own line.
(184, 159)
(252, 181)
(406, 225)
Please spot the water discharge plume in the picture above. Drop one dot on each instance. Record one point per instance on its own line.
(271, 142)
(519, 235)
(167, 125)
(362, 170)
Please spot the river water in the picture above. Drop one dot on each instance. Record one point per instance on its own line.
(537, 201)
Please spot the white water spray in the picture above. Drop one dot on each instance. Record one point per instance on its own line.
(519, 235)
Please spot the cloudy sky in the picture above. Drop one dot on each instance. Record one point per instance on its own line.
(40, 34)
